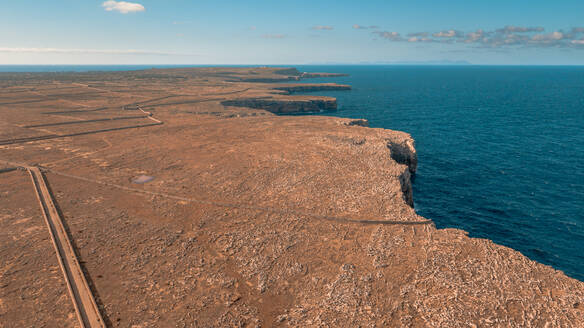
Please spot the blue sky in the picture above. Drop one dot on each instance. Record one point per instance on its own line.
(291, 31)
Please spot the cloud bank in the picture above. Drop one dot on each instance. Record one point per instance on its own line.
(122, 7)
(507, 36)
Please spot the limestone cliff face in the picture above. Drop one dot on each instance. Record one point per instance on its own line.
(288, 72)
(355, 122)
(306, 75)
(313, 87)
(266, 80)
(407, 189)
(404, 152)
(290, 75)
(286, 106)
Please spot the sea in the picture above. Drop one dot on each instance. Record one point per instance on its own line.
(500, 148)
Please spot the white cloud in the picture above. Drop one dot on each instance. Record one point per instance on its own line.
(508, 36)
(361, 27)
(448, 34)
(122, 6)
(519, 29)
(89, 51)
(475, 36)
(392, 36)
(551, 36)
(415, 39)
(322, 27)
(419, 34)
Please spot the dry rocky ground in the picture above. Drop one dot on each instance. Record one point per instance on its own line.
(252, 219)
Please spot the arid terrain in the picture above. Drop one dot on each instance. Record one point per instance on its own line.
(190, 202)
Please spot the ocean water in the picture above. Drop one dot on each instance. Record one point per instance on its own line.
(501, 149)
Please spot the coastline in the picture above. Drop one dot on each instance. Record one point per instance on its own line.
(279, 268)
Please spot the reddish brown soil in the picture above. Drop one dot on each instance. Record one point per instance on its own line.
(32, 290)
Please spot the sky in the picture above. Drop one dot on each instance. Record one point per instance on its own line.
(276, 32)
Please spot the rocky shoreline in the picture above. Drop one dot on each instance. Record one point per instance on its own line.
(292, 105)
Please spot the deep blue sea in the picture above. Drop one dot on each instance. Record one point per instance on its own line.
(500, 149)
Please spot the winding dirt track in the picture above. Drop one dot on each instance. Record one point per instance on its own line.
(147, 115)
(86, 121)
(54, 136)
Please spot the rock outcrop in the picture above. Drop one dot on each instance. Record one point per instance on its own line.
(287, 74)
(313, 87)
(306, 75)
(404, 152)
(286, 106)
(356, 122)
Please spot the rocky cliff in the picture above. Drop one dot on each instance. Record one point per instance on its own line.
(313, 87)
(286, 105)
(317, 75)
